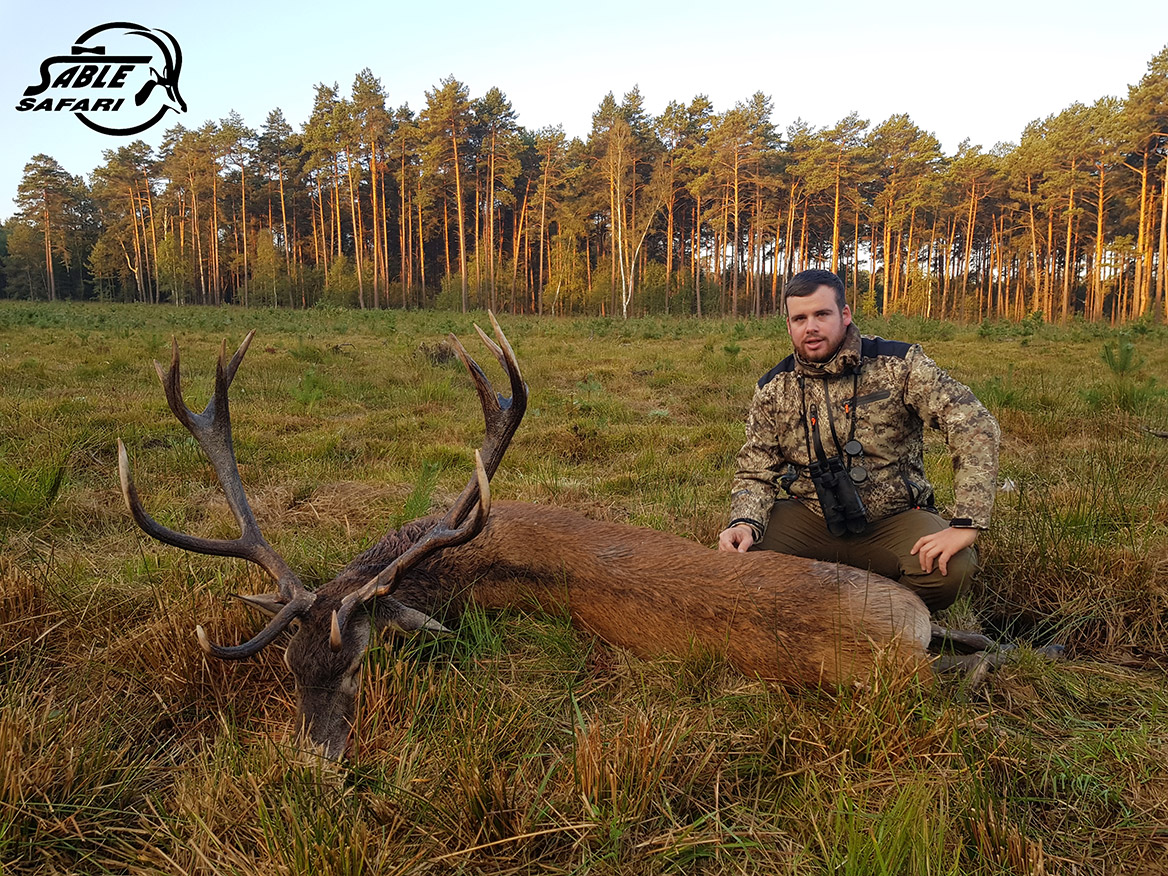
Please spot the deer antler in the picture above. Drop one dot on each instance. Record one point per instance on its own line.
(502, 416)
(212, 429)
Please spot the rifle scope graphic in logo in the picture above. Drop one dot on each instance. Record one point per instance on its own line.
(119, 78)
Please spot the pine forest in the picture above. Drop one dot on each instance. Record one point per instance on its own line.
(695, 211)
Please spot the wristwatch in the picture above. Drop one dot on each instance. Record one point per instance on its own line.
(962, 523)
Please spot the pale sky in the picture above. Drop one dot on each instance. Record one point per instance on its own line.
(980, 70)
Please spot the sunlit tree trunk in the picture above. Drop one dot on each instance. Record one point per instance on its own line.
(325, 249)
(284, 225)
(358, 242)
(1068, 271)
(153, 235)
(697, 256)
(543, 227)
(835, 212)
(889, 277)
(1100, 218)
(422, 257)
(1048, 298)
(491, 221)
(518, 243)
(196, 231)
(338, 234)
(1162, 264)
(737, 239)
(1036, 301)
(459, 211)
(216, 279)
(405, 216)
(375, 222)
(1140, 297)
(446, 236)
(855, 256)
(50, 278)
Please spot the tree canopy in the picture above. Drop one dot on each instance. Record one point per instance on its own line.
(693, 211)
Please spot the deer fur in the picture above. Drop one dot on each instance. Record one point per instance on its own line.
(788, 619)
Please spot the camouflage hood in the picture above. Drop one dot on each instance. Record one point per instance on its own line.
(897, 389)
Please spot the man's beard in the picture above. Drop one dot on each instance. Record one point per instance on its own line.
(824, 354)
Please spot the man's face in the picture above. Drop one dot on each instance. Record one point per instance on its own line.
(817, 325)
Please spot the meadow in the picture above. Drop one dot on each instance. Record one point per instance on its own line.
(521, 745)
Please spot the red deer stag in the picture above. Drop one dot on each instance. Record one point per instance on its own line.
(791, 620)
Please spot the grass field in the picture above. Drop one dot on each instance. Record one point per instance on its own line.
(522, 746)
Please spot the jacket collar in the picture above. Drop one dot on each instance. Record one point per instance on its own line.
(845, 360)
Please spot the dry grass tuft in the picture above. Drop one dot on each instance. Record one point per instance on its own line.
(1002, 843)
(615, 766)
(25, 614)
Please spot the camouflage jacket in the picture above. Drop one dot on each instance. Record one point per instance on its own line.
(897, 389)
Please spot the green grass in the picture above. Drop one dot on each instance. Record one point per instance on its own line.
(522, 745)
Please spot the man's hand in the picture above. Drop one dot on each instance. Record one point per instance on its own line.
(940, 546)
(737, 538)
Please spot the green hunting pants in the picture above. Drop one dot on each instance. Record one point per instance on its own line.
(884, 548)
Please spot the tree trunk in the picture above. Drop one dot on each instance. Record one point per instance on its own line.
(835, 212)
(1099, 222)
(1034, 245)
(734, 250)
(405, 219)
(422, 258)
(1067, 268)
(375, 223)
(491, 221)
(50, 280)
(1162, 263)
(358, 243)
(697, 260)
(459, 212)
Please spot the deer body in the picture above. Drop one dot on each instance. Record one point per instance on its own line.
(788, 619)
(791, 620)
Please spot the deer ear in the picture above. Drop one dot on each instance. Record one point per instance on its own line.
(268, 603)
(411, 620)
(391, 613)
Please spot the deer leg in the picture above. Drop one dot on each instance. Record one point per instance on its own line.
(963, 642)
(977, 665)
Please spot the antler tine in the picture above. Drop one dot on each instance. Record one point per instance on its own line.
(216, 547)
(290, 612)
(446, 532)
(212, 430)
(467, 515)
(501, 415)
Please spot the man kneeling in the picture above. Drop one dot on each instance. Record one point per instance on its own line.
(838, 426)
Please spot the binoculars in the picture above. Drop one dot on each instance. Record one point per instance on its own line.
(843, 509)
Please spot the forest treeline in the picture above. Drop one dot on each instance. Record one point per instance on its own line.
(692, 211)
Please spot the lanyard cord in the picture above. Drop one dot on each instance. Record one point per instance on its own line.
(849, 410)
(831, 419)
(811, 416)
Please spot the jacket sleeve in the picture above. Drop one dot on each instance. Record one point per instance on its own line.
(760, 461)
(969, 429)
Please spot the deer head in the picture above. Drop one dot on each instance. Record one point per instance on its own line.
(332, 626)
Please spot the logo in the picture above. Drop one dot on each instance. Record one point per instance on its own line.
(119, 78)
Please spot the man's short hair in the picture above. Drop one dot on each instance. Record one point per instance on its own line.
(806, 282)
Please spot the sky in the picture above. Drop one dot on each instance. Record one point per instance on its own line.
(980, 70)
